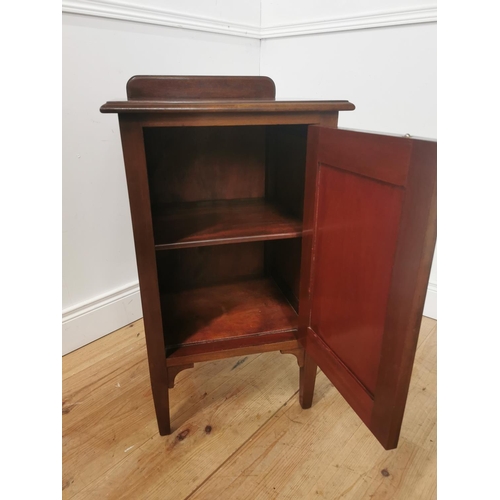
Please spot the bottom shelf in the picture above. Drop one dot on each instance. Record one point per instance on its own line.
(231, 312)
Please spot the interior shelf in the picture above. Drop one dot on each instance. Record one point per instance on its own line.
(183, 225)
(234, 311)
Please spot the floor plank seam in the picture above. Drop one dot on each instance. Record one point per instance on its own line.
(125, 456)
(353, 465)
(105, 378)
(240, 447)
(186, 410)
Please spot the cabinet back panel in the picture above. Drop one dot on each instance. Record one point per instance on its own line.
(286, 164)
(205, 163)
(188, 268)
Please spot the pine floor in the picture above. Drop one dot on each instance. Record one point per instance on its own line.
(239, 431)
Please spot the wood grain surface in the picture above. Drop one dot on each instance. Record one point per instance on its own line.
(219, 222)
(369, 236)
(239, 431)
(224, 106)
(177, 87)
(245, 308)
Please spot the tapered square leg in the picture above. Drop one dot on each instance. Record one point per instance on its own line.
(307, 381)
(162, 412)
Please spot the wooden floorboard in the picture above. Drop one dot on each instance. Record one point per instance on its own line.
(239, 432)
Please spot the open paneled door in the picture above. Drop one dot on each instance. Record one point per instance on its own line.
(369, 236)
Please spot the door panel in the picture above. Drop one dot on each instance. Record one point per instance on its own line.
(369, 232)
(357, 229)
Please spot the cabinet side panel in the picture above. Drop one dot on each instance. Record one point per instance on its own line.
(285, 166)
(283, 259)
(187, 164)
(136, 171)
(308, 237)
(286, 147)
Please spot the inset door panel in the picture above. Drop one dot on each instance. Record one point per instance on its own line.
(356, 234)
(368, 240)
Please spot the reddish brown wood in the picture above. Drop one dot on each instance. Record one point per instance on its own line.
(218, 222)
(307, 380)
(283, 265)
(225, 300)
(386, 159)
(357, 226)
(308, 225)
(367, 250)
(173, 371)
(221, 312)
(221, 118)
(410, 276)
(225, 106)
(368, 233)
(342, 378)
(242, 346)
(286, 147)
(188, 268)
(138, 190)
(175, 88)
(187, 164)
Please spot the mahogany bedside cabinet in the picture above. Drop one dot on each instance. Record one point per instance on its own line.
(260, 226)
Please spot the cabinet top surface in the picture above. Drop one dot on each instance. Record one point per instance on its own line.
(224, 106)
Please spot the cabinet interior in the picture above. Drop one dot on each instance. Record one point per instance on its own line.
(227, 209)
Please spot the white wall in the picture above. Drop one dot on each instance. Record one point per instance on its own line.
(100, 290)
(294, 12)
(389, 73)
(293, 17)
(242, 12)
(240, 18)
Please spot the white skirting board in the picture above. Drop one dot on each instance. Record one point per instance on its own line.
(94, 319)
(430, 307)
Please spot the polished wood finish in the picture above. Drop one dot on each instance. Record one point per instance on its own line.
(173, 371)
(218, 118)
(239, 431)
(176, 88)
(285, 180)
(381, 157)
(222, 312)
(224, 106)
(136, 170)
(307, 381)
(259, 227)
(188, 268)
(240, 346)
(368, 252)
(286, 163)
(218, 222)
(357, 227)
(410, 276)
(187, 164)
(282, 261)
